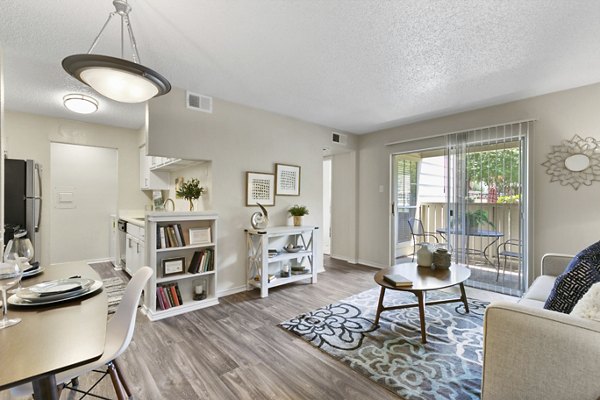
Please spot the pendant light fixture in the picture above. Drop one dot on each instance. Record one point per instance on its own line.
(116, 78)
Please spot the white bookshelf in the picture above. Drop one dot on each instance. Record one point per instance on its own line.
(260, 266)
(185, 281)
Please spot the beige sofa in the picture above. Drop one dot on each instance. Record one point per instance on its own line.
(532, 353)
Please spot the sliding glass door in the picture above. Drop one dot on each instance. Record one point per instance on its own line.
(469, 190)
(486, 205)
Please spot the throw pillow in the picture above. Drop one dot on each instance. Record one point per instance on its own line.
(581, 273)
(589, 305)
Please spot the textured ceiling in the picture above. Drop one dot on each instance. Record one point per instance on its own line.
(357, 66)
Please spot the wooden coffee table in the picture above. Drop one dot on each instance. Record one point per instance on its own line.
(423, 279)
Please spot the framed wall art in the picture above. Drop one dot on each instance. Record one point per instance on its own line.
(288, 180)
(260, 188)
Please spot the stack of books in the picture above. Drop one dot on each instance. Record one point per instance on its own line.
(169, 236)
(168, 296)
(202, 261)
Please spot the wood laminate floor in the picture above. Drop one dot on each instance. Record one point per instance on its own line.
(236, 351)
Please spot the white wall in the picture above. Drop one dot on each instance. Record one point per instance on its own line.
(238, 139)
(84, 193)
(563, 220)
(29, 136)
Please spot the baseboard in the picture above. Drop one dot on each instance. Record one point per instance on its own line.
(343, 258)
(372, 264)
(229, 292)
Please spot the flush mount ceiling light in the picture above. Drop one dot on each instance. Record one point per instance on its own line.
(80, 103)
(117, 78)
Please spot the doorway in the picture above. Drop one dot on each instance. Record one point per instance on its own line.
(468, 193)
(327, 206)
(84, 182)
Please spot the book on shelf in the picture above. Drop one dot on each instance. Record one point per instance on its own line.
(158, 236)
(165, 301)
(174, 295)
(162, 238)
(195, 261)
(178, 294)
(397, 280)
(159, 301)
(180, 230)
(177, 236)
(171, 234)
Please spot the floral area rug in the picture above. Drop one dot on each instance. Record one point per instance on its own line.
(448, 366)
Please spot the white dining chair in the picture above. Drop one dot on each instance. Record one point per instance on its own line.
(119, 332)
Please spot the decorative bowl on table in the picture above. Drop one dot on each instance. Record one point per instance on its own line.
(293, 249)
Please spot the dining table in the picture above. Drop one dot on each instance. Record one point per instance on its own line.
(54, 337)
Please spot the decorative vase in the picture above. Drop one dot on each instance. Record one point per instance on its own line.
(191, 204)
(297, 220)
(441, 258)
(424, 255)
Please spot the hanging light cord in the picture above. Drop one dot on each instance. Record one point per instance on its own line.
(123, 9)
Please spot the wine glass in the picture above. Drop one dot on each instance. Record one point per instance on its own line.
(10, 275)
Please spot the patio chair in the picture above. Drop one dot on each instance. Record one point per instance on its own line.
(509, 249)
(417, 231)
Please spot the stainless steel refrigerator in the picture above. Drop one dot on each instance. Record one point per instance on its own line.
(23, 201)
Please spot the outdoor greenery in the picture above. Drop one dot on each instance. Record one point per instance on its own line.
(496, 167)
(509, 199)
(298, 211)
(477, 218)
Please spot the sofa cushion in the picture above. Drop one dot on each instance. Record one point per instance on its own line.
(589, 305)
(581, 273)
(540, 288)
(531, 303)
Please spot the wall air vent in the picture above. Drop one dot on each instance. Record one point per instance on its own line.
(339, 138)
(198, 102)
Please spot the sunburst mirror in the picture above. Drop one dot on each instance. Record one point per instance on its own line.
(574, 162)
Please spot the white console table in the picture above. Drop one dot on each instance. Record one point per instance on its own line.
(265, 270)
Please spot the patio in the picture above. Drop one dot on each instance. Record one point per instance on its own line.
(484, 273)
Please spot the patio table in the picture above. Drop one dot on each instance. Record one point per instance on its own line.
(494, 235)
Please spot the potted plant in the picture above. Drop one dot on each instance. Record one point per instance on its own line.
(298, 212)
(190, 190)
(477, 218)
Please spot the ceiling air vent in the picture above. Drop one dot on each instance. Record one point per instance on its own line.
(338, 138)
(198, 102)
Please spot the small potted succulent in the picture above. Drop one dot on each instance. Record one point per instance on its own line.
(298, 211)
(190, 190)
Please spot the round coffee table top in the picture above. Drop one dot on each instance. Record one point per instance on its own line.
(424, 278)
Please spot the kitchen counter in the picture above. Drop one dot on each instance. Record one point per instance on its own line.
(139, 221)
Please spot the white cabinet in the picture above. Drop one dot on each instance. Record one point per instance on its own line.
(149, 179)
(270, 265)
(134, 248)
(165, 257)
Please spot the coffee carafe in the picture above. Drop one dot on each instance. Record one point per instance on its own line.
(19, 249)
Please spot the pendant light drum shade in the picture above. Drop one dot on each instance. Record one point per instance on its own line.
(116, 78)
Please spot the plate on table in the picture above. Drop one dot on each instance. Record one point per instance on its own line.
(33, 272)
(55, 290)
(16, 300)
